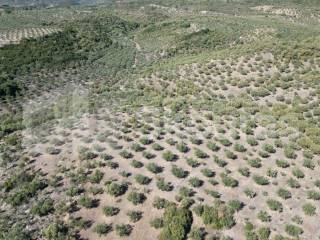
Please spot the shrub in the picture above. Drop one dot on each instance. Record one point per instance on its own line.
(136, 164)
(53, 151)
(274, 205)
(283, 193)
(239, 148)
(164, 186)
(197, 234)
(314, 195)
(293, 230)
(195, 182)
(145, 141)
(293, 183)
(157, 147)
(235, 205)
(192, 163)
(43, 207)
(212, 193)
(264, 233)
(157, 223)
(260, 180)
(102, 229)
(110, 211)
(256, 162)
(196, 141)
(112, 165)
(116, 189)
(160, 203)
(182, 147)
(218, 216)
(137, 147)
(225, 142)
(297, 173)
(308, 163)
(87, 202)
(134, 216)
(263, 216)
(213, 147)
(141, 179)
(148, 155)
(263, 154)
(309, 209)
(96, 177)
(136, 198)
(252, 141)
(244, 171)
(207, 172)
(126, 154)
(154, 168)
(249, 193)
(177, 223)
(269, 148)
(220, 162)
(123, 229)
(289, 152)
(282, 163)
(199, 153)
(272, 173)
(169, 156)
(230, 154)
(228, 181)
(179, 172)
(57, 230)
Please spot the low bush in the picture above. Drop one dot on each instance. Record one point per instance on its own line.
(136, 198)
(274, 205)
(102, 229)
(110, 211)
(177, 223)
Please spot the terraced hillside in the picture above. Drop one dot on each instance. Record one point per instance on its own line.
(163, 120)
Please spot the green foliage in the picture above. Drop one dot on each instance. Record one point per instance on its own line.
(43, 207)
(141, 179)
(293, 230)
(123, 230)
(177, 223)
(260, 180)
(264, 216)
(182, 147)
(154, 168)
(164, 186)
(169, 156)
(87, 202)
(284, 193)
(135, 216)
(195, 182)
(309, 209)
(136, 198)
(218, 216)
(160, 203)
(102, 229)
(274, 205)
(192, 162)
(228, 180)
(157, 223)
(116, 189)
(110, 211)
(58, 231)
(179, 172)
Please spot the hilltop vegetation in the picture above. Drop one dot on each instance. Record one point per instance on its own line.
(161, 120)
